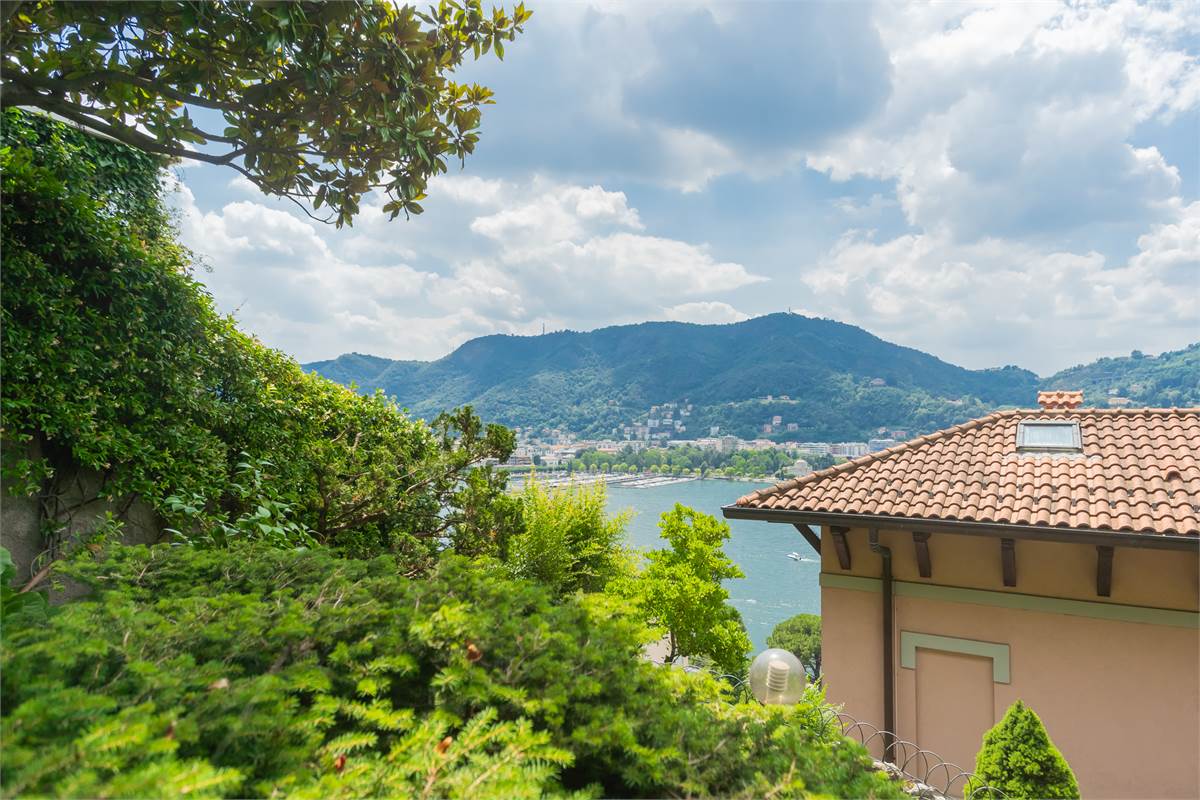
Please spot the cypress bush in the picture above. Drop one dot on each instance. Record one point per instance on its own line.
(1019, 760)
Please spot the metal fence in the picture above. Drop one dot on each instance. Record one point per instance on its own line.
(931, 774)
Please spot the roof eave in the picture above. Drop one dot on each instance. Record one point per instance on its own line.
(1149, 541)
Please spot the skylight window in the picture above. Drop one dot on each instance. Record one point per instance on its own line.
(1049, 437)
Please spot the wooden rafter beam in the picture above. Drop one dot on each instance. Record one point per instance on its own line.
(1008, 561)
(1104, 563)
(839, 544)
(921, 545)
(810, 536)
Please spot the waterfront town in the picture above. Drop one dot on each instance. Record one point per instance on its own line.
(555, 448)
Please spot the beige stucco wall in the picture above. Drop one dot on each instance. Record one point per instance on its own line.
(1120, 699)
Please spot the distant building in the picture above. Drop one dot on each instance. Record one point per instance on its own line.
(776, 420)
(793, 427)
(714, 430)
(1119, 402)
(878, 382)
(729, 444)
(849, 449)
(875, 445)
(814, 448)
(801, 467)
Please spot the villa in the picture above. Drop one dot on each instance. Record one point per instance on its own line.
(1049, 555)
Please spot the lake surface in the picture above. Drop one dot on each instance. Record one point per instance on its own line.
(775, 586)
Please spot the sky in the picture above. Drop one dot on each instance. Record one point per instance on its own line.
(1016, 183)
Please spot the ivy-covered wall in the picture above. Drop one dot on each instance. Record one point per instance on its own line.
(123, 390)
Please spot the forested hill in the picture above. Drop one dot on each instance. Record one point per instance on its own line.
(838, 380)
(1171, 379)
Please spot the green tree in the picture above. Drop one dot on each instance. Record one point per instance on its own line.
(680, 591)
(801, 635)
(318, 102)
(1019, 759)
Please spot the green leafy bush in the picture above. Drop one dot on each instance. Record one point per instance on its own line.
(17, 607)
(255, 671)
(801, 635)
(568, 542)
(115, 362)
(1019, 759)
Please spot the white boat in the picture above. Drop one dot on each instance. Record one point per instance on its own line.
(794, 556)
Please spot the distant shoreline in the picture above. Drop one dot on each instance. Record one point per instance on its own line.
(560, 477)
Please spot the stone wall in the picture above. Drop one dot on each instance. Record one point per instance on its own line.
(79, 512)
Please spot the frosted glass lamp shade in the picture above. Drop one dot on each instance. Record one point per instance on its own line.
(777, 677)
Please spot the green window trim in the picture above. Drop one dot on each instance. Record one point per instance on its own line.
(998, 653)
(1114, 612)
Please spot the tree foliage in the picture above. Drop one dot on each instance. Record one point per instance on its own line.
(1019, 759)
(318, 102)
(800, 635)
(690, 459)
(115, 362)
(680, 590)
(258, 671)
(594, 382)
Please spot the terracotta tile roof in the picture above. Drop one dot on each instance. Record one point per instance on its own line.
(1139, 471)
(1059, 400)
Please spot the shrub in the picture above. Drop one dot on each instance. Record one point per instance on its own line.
(568, 542)
(801, 635)
(1019, 759)
(255, 671)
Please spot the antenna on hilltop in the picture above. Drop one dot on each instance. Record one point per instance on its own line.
(543, 329)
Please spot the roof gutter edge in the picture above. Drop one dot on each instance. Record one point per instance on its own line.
(1148, 541)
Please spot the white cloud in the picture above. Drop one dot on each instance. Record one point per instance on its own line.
(499, 256)
(974, 303)
(557, 213)
(706, 312)
(1016, 118)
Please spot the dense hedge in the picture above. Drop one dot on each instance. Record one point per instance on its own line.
(114, 360)
(254, 671)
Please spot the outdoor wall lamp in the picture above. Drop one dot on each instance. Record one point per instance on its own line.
(777, 677)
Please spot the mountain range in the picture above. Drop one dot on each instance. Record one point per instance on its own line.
(824, 380)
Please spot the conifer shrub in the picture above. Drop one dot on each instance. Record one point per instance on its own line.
(253, 671)
(1019, 760)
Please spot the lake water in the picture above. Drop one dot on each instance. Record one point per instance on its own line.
(775, 586)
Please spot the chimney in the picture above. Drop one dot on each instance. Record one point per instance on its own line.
(1059, 401)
